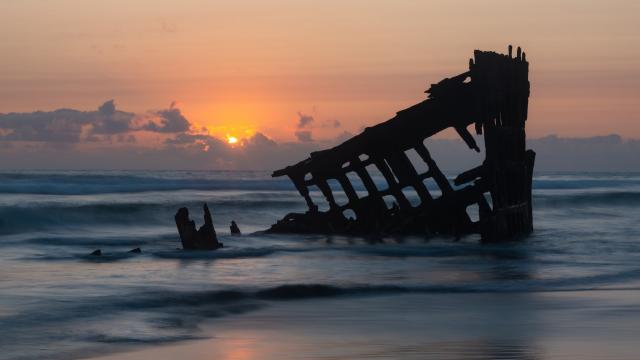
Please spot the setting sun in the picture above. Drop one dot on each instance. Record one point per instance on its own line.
(232, 139)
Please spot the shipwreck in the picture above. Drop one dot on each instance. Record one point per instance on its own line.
(492, 96)
(204, 238)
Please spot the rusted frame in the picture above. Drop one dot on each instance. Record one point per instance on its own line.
(493, 95)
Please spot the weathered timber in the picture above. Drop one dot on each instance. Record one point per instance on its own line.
(492, 95)
(202, 239)
(235, 230)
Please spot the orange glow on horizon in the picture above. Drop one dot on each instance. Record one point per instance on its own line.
(234, 70)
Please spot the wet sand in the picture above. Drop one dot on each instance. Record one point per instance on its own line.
(599, 324)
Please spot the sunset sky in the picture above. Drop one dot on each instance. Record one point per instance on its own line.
(300, 71)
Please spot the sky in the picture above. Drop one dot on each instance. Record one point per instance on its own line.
(154, 75)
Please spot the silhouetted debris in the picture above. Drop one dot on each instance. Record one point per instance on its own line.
(97, 252)
(493, 96)
(235, 230)
(135, 251)
(204, 238)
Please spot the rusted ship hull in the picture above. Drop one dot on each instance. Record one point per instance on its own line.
(493, 97)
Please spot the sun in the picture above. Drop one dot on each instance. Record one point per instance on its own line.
(232, 139)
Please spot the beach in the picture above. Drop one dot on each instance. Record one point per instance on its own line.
(569, 290)
(443, 326)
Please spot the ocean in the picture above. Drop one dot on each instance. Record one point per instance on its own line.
(569, 290)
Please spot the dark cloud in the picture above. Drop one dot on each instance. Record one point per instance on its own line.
(122, 138)
(203, 142)
(598, 153)
(182, 139)
(93, 138)
(304, 120)
(202, 151)
(168, 121)
(330, 124)
(344, 136)
(306, 123)
(110, 121)
(259, 141)
(108, 108)
(257, 152)
(64, 125)
(111, 139)
(262, 153)
(73, 126)
(304, 136)
(59, 126)
(46, 139)
(553, 153)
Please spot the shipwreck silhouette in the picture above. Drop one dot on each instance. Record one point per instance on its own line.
(493, 95)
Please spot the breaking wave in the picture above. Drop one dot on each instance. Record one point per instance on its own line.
(80, 183)
(38, 216)
(106, 182)
(612, 198)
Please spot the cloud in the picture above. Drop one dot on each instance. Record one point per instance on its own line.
(199, 142)
(344, 136)
(106, 123)
(108, 108)
(61, 126)
(118, 139)
(329, 124)
(251, 148)
(553, 153)
(597, 153)
(169, 120)
(65, 125)
(126, 139)
(304, 136)
(307, 124)
(304, 120)
(204, 151)
(259, 141)
(185, 139)
(259, 152)
(108, 120)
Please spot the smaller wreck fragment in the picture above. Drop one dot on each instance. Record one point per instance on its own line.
(202, 239)
(235, 230)
(493, 97)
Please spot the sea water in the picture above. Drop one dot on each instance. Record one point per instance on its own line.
(570, 288)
